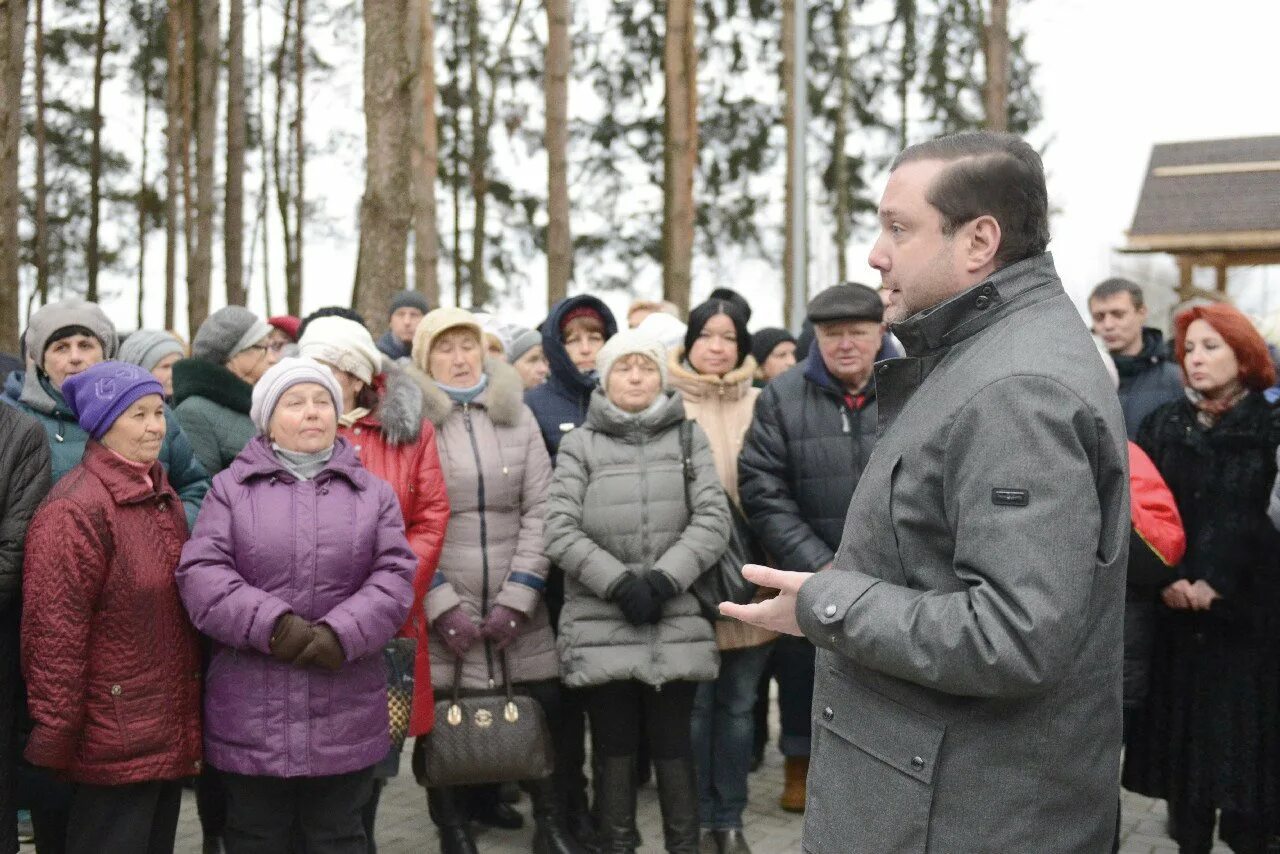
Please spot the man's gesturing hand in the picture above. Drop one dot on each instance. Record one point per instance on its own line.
(777, 614)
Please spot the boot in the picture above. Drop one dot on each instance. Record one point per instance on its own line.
(450, 821)
(793, 792)
(678, 798)
(616, 803)
(707, 841)
(578, 816)
(732, 842)
(552, 835)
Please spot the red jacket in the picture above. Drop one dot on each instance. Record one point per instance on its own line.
(110, 658)
(1154, 514)
(397, 444)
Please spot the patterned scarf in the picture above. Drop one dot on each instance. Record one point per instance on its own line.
(1209, 410)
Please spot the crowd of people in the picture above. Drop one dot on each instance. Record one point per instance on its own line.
(212, 556)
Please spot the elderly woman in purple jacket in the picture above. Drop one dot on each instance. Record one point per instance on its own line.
(299, 571)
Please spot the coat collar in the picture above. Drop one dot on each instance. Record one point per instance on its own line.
(121, 480)
(257, 460)
(607, 418)
(199, 378)
(503, 399)
(400, 410)
(694, 386)
(966, 314)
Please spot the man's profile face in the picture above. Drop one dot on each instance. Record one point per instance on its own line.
(919, 265)
(1118, 322)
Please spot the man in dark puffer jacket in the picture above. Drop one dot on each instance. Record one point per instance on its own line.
(814, 429)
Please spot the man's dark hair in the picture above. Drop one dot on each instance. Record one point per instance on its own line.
(995, 174)
(330, 311)
(1115, 286)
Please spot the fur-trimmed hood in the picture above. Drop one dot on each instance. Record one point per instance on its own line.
(401, 406)
(503, 398)
(695, 386)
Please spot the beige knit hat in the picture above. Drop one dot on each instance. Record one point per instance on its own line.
(630, 342)
(344, 344)
(436, 322)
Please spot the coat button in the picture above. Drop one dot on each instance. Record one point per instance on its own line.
(986, 290)
(830, 610)
(982, 302)
(115, 690)
(917, 763)
(356, 431)
(828, 713)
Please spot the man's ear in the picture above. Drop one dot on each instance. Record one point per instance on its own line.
(1141, 311)
(983, 244)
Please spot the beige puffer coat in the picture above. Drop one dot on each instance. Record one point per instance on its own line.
(617, 505)
(497, 472)
(723, 408)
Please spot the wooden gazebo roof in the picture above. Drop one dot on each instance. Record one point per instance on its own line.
(1213, 204)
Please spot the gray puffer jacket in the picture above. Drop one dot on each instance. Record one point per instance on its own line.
(617, 505)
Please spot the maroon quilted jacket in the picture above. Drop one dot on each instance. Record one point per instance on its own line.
(109, 656)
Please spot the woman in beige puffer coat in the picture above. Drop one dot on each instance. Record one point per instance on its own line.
(632, 536)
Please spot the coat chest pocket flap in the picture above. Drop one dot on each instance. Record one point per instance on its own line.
(896, 735)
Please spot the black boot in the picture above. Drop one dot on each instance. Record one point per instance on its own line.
(578, 815)
(552, 835)
(451, 821)
(616, 805)
(678, 797)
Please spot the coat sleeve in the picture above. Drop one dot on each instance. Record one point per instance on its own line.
(196, 426)
(1273, 509)
(706, 536)
(1027, 572)
(66, 564)
(764, 487)
(527, 579)
(29, 482)
(426, 523)
(371, 616)
(567, 544)
(187, 476)
(220, 602)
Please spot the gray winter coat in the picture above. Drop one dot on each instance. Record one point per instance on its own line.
(497, 470)
(618, 505)
(967, 696)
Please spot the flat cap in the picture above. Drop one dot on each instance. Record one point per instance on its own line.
(849, 301)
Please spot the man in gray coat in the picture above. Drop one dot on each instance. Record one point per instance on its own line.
(969, 631)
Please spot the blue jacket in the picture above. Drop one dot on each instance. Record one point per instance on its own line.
(36, 396)
(560, 404)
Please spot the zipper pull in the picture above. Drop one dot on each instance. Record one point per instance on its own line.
(844, 419)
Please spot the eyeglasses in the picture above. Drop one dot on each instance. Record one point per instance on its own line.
(277, 346)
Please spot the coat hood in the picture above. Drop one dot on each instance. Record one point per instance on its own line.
(1154, 351)
(201, 378)
(401, 407)
(607, 418)
(695, 386)
(562, 367)
(257, 460)
(39, 394)
(503, 398)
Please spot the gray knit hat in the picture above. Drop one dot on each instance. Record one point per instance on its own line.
(147, 347)
(226, 332)
(522, 341)
(630, 342)
(44, 324)
(409, 299)
(284, 375)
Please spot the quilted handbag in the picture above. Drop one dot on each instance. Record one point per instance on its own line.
(492, 737)
(399, 655)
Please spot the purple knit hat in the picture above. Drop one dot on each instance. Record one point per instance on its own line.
(98, 396)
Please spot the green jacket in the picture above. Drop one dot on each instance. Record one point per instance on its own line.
(212, 405)
(35, 395)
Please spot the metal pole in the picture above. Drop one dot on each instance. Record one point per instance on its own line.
(799, 170)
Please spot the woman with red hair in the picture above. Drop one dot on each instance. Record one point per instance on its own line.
(1206, 740)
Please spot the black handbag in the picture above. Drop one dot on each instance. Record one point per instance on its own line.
(490, 737)
(724, 581)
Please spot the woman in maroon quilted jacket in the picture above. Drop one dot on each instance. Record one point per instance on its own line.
(109, 656)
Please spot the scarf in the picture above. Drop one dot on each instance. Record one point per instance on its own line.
(1209, 411)
(465, 395)
(302, 466)
(349, 417)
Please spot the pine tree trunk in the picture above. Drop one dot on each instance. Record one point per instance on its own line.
(384, 209)
(788, 109)
(995, 45)
(233, 215)
(478, 158)
(282, 166)
(174, 141)
(42, 184)
(293, 298)
(93, 252)
(425, 156)
(843, 106)
(680, 154)
(142, 168)
(13, 33)
(264, 191)
(559, 236)
(208, 57)
(188, 100)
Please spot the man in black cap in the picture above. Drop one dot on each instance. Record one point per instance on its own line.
(405, 313)
(814, 429)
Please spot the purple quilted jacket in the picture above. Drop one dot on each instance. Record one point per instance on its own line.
(331, 549)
